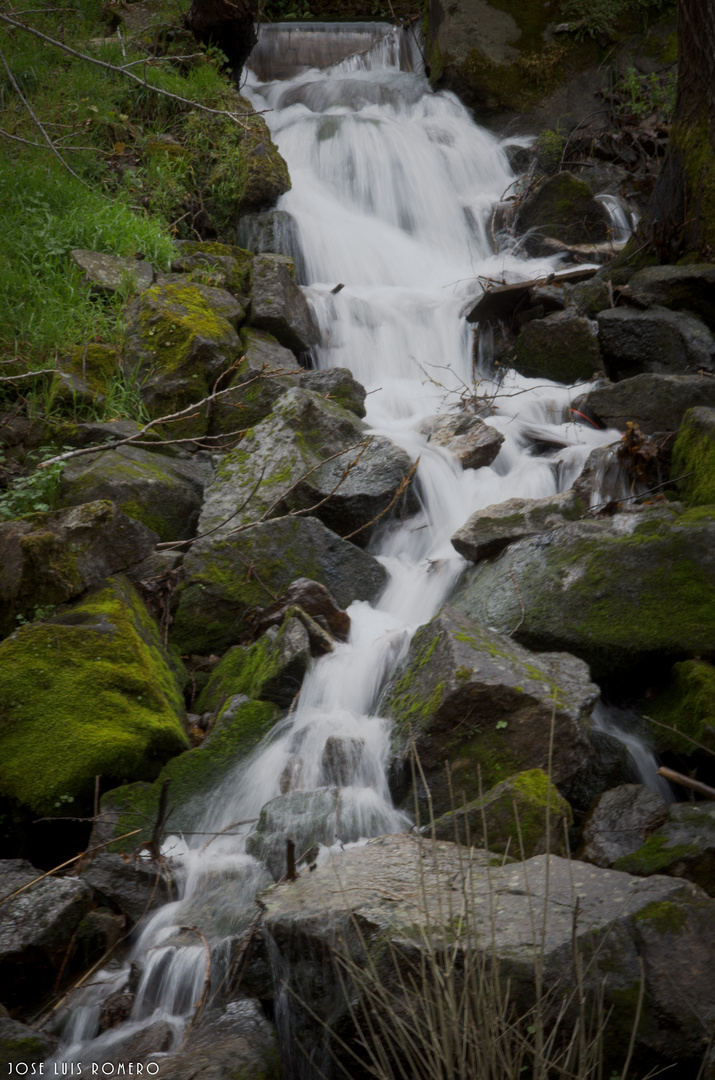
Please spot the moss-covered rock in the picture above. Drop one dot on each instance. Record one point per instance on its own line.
(619, 822)
(226, 578)
(180, 337)
(694, 457)
(623, 594)
(89, 692)
(683, 847)
(232, 264)
(338, 385)
(563, 207)
(85, 374)
(687, 706)
(47, 559)
(489, 531)
(562, 347)
(20, 1044)
(165, 494)
(193, 777)
(476, 699)
(266, 175)
(523, 816)
(107, 274)
(258, 383)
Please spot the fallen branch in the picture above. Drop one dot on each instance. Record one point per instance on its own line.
(28, 374)
(686, 781)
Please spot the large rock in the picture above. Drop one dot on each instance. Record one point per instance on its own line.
(657, 340)
(277, 469)
(655, 402)
(165, 494)
(133, 888)
(231, 265)
(693, 460)
(395, 898)
(489, 531)
(683, 847)
(89, 692)
(562, 347)
(619, 822)
(473, 443)
(338, 385)
(472, 697)
(625, 593)
(234, 1044)
(22, 1044)
(563, 207)
(682, 288)
(305, 817)
(107, 274)
(180, 338)
(273, 232)
(226, 579)
(253, 392)
(36, 929)
(47, 559)
(279, 306)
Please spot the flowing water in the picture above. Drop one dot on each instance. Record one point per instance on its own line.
(392, 192)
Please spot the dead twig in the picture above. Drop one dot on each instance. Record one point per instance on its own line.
(27, 374)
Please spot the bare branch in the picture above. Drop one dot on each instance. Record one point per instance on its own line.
(28, 374)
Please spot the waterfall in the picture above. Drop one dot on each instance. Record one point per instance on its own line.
(393, 186)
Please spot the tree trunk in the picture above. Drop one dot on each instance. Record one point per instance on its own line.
(229, 24)
(680, 219)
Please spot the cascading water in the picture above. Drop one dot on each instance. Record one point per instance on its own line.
(392, 190)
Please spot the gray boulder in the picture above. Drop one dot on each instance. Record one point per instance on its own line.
(336, 384)
(227, 578)
(133, 888)
(36, 929)
(468, 695)
(657, 340)
(683, 847)
(682, 288)
(631, 591)
(238, 1042)
(279, 306)
(563, 347)
(619, 822)
(563, 207)
(305, 817)
(489, 531)
(47, 559)
(165, 494)
(466, 437)
(21, 1043)
(107, 274)
(655, 402)
(253, 392)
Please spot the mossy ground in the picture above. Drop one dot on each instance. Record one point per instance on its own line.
(86, 694)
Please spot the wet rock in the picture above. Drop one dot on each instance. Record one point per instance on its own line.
(619, 822)
(603, 478)
(99, 931)
(341, 758)
(36, 930)
(314, 599)
(562, 347)
(563, 208)
(466, 437)
(131, 1043)
(591, 297)
(252, 392)
(89, 691)
(336, 384)
(467, 694)
(273, 232)
(694, 457)
(165, 494)
(400, 891)
(179, 340)
(657, 340)
(20, 1043)
(682, 288)
(511, 818)
(683, 847)
(133, 888)
(48, 559)
(489, 531)
(279, 306)
(232, 264)
(218, 591)
(107, 274)
(235, 1043)
(278, 470)
(608, 766)
(272, 669)
(581, 585)
(306, 818)
(654, 402)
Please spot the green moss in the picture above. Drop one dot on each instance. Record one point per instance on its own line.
(655, 856)
(169, 329)
(687, 705)
(89, 692)
(693, 143)
(136, 510)
(664, 916)
(694, 461)
(253, 671)
(240, 280)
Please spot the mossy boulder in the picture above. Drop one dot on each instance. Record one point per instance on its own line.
(89, 692)
(476, 699)
(564, 208)
(266, 175)
(656, 403)
(277, 469)
(194, 777)
(523, 816)
(489, 531)
(20, 1044)
(265, 373)
(226, 578)
(165, 494)
(48, 559)
(231, 264)
(687, 707)
(271, 669)
(626, 594)
(86, 374)
(683, 847)
(180, 338)
(658, 340)
(694, 457)
(278, 305)
(562, 347)
(338, 385)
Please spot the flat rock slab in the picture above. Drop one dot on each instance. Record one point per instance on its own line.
(489, 531)
(110, 273)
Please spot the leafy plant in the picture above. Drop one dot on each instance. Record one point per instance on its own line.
(34, 493)
(638, 96)
(593, 18)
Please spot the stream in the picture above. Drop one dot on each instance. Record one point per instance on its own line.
(393, 187)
